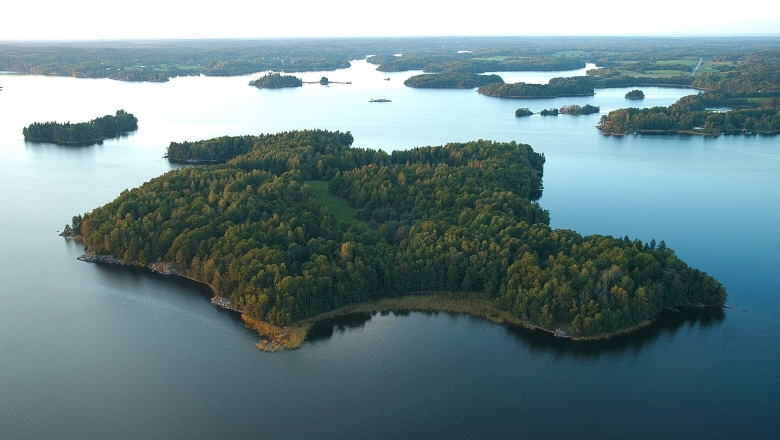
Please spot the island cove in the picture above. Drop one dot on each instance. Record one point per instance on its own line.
(460, 220)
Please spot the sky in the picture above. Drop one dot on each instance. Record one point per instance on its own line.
(155, 19)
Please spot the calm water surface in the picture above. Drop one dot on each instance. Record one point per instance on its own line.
(89, 351)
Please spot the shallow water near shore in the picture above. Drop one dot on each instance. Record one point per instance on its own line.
(97, 351)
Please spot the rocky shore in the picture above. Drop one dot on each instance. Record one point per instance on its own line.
(162, 268)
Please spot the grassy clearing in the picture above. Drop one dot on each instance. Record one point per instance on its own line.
(338, 206)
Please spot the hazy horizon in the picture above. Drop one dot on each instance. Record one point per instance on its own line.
(89, 20)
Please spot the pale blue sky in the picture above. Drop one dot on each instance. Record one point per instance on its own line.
(101, 19)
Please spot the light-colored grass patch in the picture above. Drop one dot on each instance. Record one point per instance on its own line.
(480, 305)
(277, 338)
(691, 63)
(338, 206)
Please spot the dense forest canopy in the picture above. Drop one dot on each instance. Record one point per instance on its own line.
(577, 86)
(525, 90)
(94, 131)
(635, 94)
(277, 81)
(451, 80)
(688, 115)
(458, 217)
(577, 110)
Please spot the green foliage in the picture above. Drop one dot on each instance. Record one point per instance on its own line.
(575, 86)
(91, 132)
(689, 115)
(635, 94)
(546, 64)
(338, 206)
(525, 90)
(523, 112)
(277, 81)
(451, 80)
(577, 110)
(458, 217)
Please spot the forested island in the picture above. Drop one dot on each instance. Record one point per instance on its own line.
(523, 112)
(451, 80)
(635, 94)
(576, 86)
(528, 91)
(574, 110)
(82, 133)
(577, 110)
(300, 224)
(277, 81)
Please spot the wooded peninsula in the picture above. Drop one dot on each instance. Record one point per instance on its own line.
(300, 224)
(451, 80)
(82, 133)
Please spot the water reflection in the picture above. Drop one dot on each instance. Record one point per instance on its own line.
(180, 292)
(666, 324)
(79, 145)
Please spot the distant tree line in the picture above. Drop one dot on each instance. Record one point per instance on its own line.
(451, 80)
(459, 63)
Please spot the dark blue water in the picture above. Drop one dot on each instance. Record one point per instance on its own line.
(89, 351)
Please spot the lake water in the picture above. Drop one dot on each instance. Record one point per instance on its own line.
(90, 351)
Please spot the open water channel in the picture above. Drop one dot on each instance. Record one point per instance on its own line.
(93, 351)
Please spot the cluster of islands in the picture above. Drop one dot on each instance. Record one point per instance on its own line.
(294, 227)
(574, 110)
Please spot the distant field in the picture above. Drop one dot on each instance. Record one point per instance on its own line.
(338, 206)
(691, 63)
(569, 53)
(665, 72)
(656, 73)
(495, 58)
